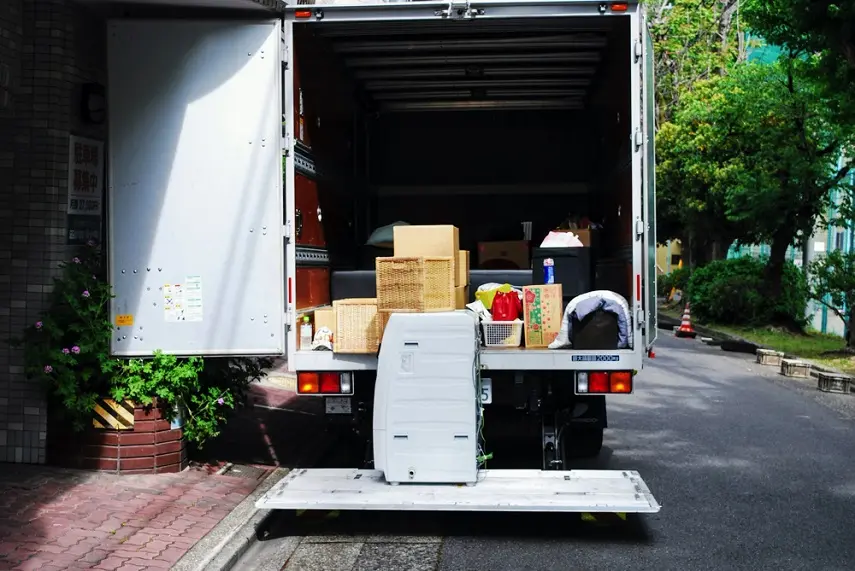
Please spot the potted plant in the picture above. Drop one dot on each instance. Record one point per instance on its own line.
(124, 415)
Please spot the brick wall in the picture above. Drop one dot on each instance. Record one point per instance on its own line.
(48, 50)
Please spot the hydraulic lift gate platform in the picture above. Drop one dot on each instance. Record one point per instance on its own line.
(593, 491)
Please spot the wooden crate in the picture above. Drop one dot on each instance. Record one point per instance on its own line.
(795, 368)
(357, 326)
(415, 285)
(769, 357)
(833, 383)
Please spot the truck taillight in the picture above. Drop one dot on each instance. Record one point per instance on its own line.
(324, 383)
(603, 382)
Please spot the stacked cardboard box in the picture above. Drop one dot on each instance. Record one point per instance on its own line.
(429, 265)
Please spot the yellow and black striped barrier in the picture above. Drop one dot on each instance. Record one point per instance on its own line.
(108, 413)
(604, 518)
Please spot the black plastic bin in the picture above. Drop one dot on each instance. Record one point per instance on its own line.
(573, 269)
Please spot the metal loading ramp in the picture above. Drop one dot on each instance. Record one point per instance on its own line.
(609, 491)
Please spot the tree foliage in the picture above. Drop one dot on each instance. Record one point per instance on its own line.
(832, 283)
(823, 29)
(692, 40)
(754, 155)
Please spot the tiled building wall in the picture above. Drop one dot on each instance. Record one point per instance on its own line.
(48, 50)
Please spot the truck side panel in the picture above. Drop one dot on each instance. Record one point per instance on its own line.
(195, 187)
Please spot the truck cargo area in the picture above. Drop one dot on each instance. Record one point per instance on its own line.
(479, 124)
(606, 491)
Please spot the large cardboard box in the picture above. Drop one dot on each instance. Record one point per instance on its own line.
(543, 310)
(461, 297)
(426, 241)
(512, 255)
(462, 276)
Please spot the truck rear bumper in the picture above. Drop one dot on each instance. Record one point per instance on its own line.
(516, 359)
(609, 491)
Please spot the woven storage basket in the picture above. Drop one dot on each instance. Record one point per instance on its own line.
(357, 326)
(415, 285)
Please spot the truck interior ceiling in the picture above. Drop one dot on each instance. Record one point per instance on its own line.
(479, 124)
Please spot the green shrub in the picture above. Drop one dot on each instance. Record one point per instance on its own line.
(678, 278)
(731, 292)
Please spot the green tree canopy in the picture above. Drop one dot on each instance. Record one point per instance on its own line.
(754, 154)
(693, 40)
(824, 29)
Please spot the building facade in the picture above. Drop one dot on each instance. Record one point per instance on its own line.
(51, 56)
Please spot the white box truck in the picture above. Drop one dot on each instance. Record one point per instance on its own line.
(462, 111)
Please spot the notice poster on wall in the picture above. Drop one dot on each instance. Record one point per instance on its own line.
(85, 189)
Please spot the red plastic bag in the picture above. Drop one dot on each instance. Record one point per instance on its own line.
(506, 306)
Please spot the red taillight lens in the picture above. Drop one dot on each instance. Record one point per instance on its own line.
(308, 383)
(620, 7)
(303, 14)
(620, 382)
(598, 382)
(330, 383)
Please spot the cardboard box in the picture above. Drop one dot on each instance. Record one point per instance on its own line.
(461, 296)
(325, 317)
(587, 236)
(504, 255)
(462, 275)
(426, 242)
(543, 310)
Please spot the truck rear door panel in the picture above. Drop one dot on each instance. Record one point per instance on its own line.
(195, 187)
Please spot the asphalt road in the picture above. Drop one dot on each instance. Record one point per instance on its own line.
(753, 471)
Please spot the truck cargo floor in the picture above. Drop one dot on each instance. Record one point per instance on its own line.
(614, 491)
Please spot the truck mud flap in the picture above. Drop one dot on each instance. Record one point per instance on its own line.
(591, 491)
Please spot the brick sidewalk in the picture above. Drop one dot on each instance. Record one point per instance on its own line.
(53, 519)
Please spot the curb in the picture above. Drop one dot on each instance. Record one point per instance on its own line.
(230, 539)
(221, 548)
(714, 333)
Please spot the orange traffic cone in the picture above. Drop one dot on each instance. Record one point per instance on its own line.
(686, 330)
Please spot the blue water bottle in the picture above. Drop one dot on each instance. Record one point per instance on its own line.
(549, 271)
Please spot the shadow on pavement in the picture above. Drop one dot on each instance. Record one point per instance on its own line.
(275, 428)
(356, 526)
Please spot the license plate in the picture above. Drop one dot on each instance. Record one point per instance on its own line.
(338, 405)
(486, 391)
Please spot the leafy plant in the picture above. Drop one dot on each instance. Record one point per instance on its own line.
(677, 279)
(832, 283)
(731, 292)
(201, 392)
(68, 347)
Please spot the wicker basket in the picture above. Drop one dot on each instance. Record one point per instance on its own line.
(357, 326)
(415, 285)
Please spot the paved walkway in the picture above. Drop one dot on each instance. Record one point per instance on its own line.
(53, 519)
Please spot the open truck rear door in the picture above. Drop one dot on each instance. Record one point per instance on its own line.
(649, 191)
(195, 187)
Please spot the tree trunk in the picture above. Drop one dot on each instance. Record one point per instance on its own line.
(850, 330)
(775, 266)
